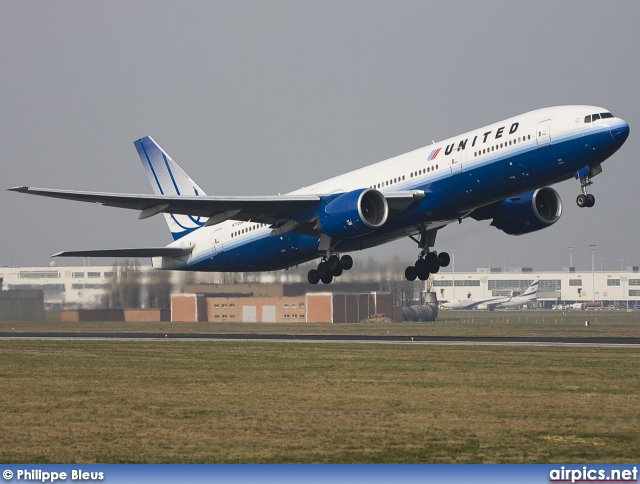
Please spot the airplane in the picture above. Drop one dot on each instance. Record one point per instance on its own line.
(530, 295)
(500, 172)
(499, 302)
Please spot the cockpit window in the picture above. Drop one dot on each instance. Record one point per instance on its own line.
(606, 115)
(595, 117)
(587, 119)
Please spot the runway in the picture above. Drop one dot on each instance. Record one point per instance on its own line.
(330, 338)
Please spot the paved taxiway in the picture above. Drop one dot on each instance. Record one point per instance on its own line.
(332, 338)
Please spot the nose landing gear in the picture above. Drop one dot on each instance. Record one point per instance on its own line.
(586, 199)
(328, 268)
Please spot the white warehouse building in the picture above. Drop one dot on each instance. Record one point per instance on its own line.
(611, 288)
(84, 287)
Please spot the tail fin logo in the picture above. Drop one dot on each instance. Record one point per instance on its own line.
(167, 178)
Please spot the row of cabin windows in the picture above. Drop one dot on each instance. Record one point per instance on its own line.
(247, 230)
(594, 117)
(501, 145)
(475, 153)
(399, 179)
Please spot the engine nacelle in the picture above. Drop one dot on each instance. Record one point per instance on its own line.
(528, 212)
(354, 213)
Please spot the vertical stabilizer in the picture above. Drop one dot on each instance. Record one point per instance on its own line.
(167, 178)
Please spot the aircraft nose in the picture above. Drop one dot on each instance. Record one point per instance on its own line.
(620, 132)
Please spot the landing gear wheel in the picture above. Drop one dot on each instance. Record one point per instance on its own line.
(444, 259)
(421, 266)
(327, 279)
(423, 275)
(410, 273)
(432, 262)
(581, 200)
(337, 272)
(333, 263)
(591, 201)
(323, 271)
(346, 262)
(313, 277)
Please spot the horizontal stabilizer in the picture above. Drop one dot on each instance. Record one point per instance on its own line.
(147, 252)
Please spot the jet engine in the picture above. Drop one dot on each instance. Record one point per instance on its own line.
(354, 213)
(524, 213)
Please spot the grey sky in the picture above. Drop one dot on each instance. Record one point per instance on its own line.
(265, 97)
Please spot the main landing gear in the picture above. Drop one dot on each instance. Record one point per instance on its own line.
(428, 262)
(328, 268)
(426, 265)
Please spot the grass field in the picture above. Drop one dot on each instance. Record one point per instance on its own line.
(212, 402)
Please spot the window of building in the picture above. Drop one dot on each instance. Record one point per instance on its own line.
(77, 274)
(634, 282)
(93, 274)
(38, 274)
(232, 305)
(634, 292)
(442, 283)
(575, 282)
(468, 282)
(613, 282)
(550, 285)
(301, 305)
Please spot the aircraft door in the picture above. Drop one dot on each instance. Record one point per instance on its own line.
(455, 161)
(217, 241)
(543, 134)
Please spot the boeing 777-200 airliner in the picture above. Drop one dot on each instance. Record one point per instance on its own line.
(500, 172)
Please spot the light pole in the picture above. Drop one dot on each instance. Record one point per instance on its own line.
(504, 265)
(570, 250)
(622, 259)
(453, 272)
(601, 260)
(592, 248)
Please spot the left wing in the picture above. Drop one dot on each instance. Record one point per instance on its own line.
(261, 209)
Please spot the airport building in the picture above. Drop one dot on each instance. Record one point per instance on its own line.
(85, 287)
(607, 288)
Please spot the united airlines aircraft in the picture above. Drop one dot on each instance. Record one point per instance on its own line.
(500, 172)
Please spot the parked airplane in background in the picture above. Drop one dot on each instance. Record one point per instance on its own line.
(500, 302)
(499, 172)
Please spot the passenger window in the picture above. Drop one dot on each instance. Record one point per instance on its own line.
(595, 117)
(587, 119)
